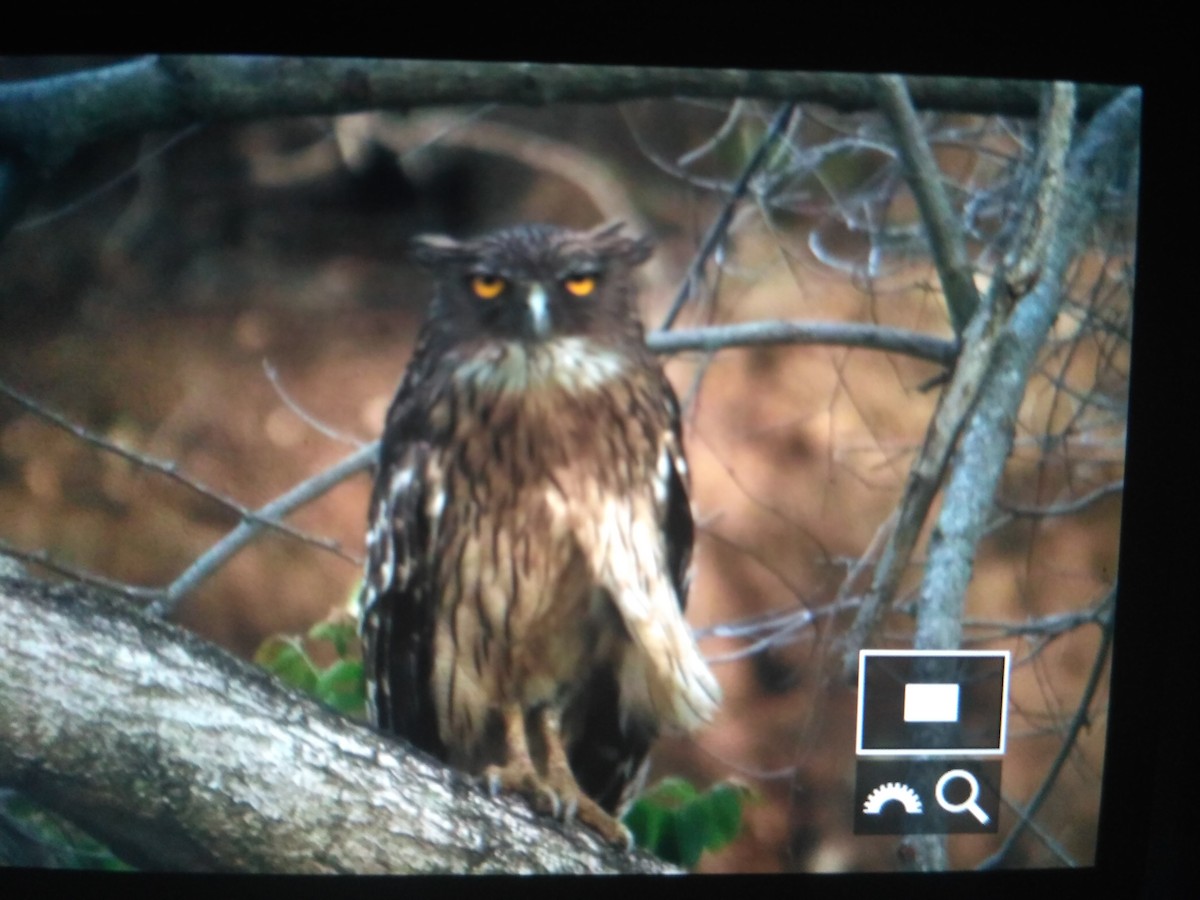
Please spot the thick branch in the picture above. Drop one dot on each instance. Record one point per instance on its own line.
(180, 756)
(988, 384)
(46, 120)
(987, 438)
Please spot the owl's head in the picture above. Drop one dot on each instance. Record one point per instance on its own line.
(535, 282)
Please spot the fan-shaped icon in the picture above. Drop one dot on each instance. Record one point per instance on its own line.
(893, 790)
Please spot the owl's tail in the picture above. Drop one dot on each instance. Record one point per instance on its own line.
(663, 677)
(663, 671)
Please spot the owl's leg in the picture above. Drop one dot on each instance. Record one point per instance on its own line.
(518, 774)
(560, 778)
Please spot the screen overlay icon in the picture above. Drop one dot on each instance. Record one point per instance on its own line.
(927, 796)
(931, 728)
(920, 703)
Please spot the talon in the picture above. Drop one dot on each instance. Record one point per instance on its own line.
(570, 808)
(491, 781)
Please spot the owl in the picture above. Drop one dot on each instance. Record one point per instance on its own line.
(530, 532)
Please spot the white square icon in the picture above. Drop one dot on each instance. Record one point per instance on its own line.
(931, 702)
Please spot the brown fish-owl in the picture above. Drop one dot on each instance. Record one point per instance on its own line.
(530, 530)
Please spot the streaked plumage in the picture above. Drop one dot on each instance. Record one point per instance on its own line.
(530, 531)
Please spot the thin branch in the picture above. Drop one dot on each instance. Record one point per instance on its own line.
(128, 174)
(770, 333)
(944, 230)
(716, 232)
(987, 437)
(302, 414)
(924, 479)
(169, 468)
(727, 128)
(1063, 509)
(164, 601)
(1027, 256)
(1078, 722)
(992, 345)
(776, 629)
(215, 556)
(46, 561)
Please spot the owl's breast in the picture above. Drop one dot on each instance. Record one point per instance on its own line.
(538, 467)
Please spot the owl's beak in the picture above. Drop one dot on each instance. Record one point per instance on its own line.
(539, 310)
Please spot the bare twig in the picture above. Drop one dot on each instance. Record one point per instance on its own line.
(169, 468)
(925, 477)
(1063, 509)
(987, 437)
(1027, 255)
(1071, 734)
(165, 600)
(298, 496)
(774, 629)
(46, 561)
(945, 233)
(726, 129)
(716, 232)
(100, 190)
(304, 415)
(769, 333)
(987, 338)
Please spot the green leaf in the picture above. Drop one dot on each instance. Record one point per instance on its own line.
(676, 822)
(692, 832)
(285, 658)
(647, 822)
(725, 814)
(342, 687)
(671, 792)
(338, 632)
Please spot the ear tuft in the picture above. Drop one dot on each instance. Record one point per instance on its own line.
(433, 250)
(611, 242)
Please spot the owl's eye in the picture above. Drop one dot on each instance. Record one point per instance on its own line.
(581, 285)
(488, 287)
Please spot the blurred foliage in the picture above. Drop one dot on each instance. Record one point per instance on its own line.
(676, 822)
(30, 836)
(340, 683)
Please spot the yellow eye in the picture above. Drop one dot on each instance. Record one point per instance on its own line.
(581, 285)
(488, 287)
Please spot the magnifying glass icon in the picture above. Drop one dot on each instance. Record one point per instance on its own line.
(969, 805)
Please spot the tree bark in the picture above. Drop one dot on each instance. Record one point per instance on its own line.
(180, 756)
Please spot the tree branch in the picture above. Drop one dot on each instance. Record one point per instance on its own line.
(987, 438)
(946, 242)
(1078, 721)
(170, 469)
(990, 380)
(716, 231)
(179, 756)
(47, 119)
(216, 555)
(768, 333)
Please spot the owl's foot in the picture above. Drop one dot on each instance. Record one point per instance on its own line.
(519, 775)
(517, 779)
(575, 804)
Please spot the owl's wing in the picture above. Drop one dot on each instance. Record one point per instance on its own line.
(675, 513)
(610, 757)
(398, 606)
